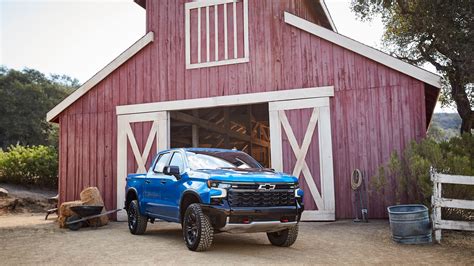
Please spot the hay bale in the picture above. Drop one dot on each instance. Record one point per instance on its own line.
(65, 211)
(91, 196)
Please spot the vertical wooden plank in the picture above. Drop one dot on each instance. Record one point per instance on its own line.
(121, 165)
(101, 155)
(85, 154)
(79, 153)
(187, 32)
(208, 39)
(216, 33)
(275, 139)
(226, 46)
(109, 178)
(246, 26)
(71, 154)
(93, 149)
(277, 46)
(234, 23)
(325, 155)
(63, 157)
(199, 34)
(180, 69)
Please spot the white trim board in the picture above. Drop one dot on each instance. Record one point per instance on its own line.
(328, 15)
(122, 58)
(230, 100)
(362, 49)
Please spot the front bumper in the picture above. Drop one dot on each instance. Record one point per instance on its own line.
(253, 227)
(252, 219)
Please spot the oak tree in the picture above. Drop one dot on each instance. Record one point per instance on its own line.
(438, 32)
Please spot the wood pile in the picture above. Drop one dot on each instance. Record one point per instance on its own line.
(89, 196)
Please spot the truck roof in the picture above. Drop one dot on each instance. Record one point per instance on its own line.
(203, 150)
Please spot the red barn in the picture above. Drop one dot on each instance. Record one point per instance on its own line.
(271, 78)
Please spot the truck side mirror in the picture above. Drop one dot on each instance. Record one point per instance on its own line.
(172, 170)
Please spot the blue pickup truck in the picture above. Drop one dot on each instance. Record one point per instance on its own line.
(209, 191)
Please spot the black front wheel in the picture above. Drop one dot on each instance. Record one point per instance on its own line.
(197, 229)
(136, 222)
(284, 238)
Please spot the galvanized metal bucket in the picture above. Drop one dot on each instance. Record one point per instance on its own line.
(410, 224)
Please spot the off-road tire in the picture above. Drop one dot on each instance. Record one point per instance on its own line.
(284, 238)
(138, 225)
(197, 229)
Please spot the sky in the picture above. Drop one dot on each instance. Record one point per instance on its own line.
(80, 37)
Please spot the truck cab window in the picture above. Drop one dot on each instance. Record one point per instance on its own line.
(161, 162)
(177, 160)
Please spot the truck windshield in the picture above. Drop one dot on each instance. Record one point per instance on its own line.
(220, 160)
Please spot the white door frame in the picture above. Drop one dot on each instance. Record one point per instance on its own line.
(159, 131)
(159, 111)
(320, 121)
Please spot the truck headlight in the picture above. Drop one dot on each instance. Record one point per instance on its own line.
(215, 184)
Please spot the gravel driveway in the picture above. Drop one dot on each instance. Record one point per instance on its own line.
(31, 240)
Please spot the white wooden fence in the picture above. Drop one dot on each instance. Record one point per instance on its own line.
(438, 202)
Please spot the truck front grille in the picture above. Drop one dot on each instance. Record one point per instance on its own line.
(270, 198)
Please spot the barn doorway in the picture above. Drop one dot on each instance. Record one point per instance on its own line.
(244, 127)
(287, 130)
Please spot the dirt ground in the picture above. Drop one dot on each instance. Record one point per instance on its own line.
(25, 200)
(28, 239)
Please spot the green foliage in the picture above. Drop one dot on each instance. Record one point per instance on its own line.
(29, 165)
(436, 32)
(25, 98)
(412, 170)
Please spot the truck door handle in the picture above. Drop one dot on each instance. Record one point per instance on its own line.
(163, 181)
(147, 181)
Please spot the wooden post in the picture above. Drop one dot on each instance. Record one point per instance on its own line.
(195, 131)
(250, 128)
(436, 208)
(227, 128)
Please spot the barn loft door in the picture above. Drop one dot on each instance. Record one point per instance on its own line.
(300, 139)
(139, 138)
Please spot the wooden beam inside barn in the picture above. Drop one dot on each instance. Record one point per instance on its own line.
(227, 132)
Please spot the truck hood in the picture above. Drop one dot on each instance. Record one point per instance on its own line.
(248, 176)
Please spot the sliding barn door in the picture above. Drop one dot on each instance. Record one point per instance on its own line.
(139, 138)
(300, 139)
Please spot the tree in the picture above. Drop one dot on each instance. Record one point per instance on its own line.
(439, 32)
(25, 98)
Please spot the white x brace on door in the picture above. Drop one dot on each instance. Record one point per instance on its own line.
(304, 149)
(125, 135)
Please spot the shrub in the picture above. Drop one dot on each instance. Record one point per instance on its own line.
(412, 172)
(29, 165)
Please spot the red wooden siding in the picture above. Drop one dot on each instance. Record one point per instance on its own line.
(375, 109)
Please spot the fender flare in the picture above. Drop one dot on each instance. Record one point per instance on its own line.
(185, 193)
(126, 194)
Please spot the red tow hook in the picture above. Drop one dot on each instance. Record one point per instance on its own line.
(284, 220)
(246, 221)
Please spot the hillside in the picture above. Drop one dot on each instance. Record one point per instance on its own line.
(445, 125)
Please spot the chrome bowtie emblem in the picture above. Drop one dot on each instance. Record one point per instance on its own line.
(266, 187)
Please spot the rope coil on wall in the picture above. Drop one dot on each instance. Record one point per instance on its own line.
(356, 179)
